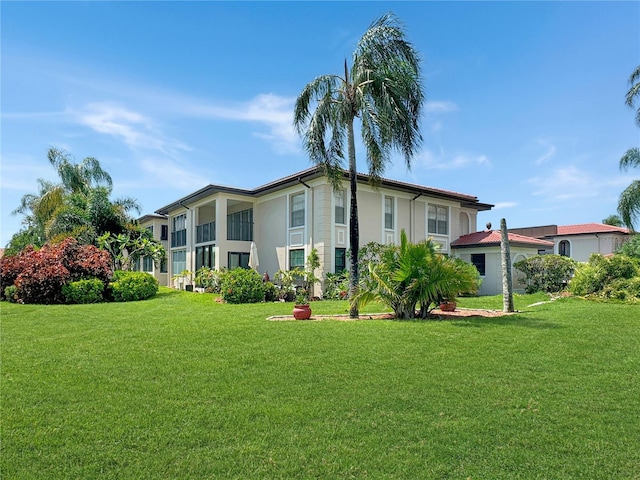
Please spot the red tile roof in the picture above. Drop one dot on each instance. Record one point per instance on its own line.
(492, 237)
(585, 228)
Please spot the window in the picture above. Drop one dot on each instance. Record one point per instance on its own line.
(164, 232)
(150, 229)
(178, 261)
(205, 257)
(297, 210)
(206, 232)
(339, 209)
(147, 264)
(296, 258)
(388, 213)
(438, 220)
(341, 260)
(564, 248)
(479, 261)
(179, 231)
(163, 265)
(238, 259)
(240, 225)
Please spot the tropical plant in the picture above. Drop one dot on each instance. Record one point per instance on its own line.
(383, 89)
(631, 248)
(629, 201)
(614, 277)
(78, 206)
(409, 275)
(129, 246)
(40, 275)
(613, 220)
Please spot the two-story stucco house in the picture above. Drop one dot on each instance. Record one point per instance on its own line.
(157, 225)
(287, 218)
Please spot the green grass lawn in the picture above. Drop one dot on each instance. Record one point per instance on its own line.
(181, 387)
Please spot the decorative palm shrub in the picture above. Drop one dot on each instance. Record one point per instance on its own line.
(408, 276)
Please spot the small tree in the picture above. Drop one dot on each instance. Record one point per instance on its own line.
(409, 275)
(546, 273)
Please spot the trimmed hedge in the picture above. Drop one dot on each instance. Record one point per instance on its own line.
(546, 273)
(131, 286)
(84, 291)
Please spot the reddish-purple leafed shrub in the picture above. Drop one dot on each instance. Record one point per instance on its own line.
(40, 274)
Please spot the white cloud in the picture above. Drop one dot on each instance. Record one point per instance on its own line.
(164, 172)
(442, 106)
(548, 155)
(565, 183)
(430, 161)
(133, 128)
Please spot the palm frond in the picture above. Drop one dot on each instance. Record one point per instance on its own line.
(631, 159)
(629, 204)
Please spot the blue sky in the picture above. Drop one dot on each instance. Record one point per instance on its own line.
(525, 101)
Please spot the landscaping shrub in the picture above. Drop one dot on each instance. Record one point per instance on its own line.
(10, 294)
(270, 292)
(131, 286)
(616, 277)
(546, 273)
(209, 279)
(84, 291)
(39, 275)
(631, 248)
(336, 286)
(242, 286)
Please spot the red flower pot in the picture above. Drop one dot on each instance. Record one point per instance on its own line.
(302, 312)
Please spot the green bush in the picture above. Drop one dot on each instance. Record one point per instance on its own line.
(131, 286)
(270, 292)
(84, 291)
(11, 294)
(631, 248)
(336, 286)
(546, 273)
(616, 277)
(242, 285)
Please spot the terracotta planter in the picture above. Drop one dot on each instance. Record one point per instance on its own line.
(302, 312)
(448, 306)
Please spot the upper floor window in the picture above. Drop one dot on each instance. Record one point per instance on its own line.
(240, 225)
(438, 220)
(179, 231)
(296, 208)
(164, 232)
(388, 213)
(339, 209)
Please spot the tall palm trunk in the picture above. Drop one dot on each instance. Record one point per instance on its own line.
(354, 231)
(505, 253)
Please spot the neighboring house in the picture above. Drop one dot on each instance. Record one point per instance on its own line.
(579, 241)
(287, 218)
(159, 227)
(482, 249)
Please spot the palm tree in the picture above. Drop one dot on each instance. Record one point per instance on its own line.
(77, 206)
(629, 202)
(383, 89)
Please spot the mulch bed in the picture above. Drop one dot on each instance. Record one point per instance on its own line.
(435, 314)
